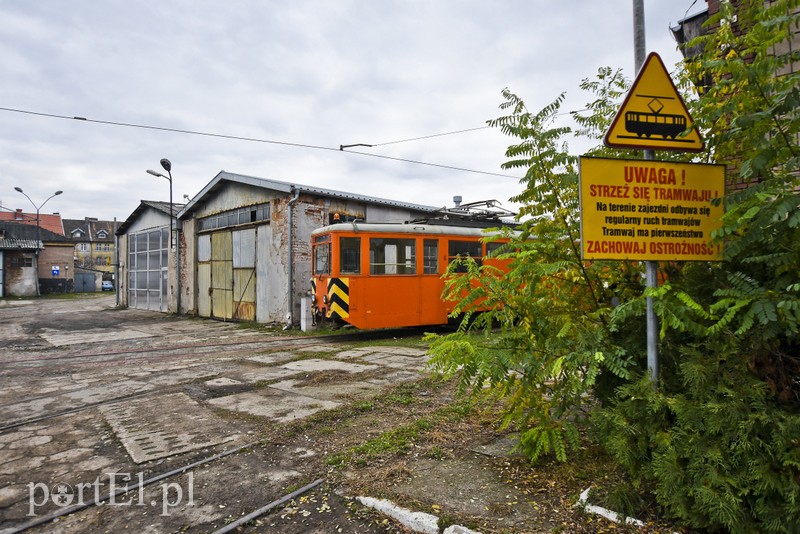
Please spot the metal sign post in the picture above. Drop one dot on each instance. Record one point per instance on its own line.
(651, 267)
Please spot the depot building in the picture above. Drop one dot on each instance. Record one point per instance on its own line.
(240, 249)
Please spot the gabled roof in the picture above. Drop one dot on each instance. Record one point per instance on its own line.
(27, 237)
(289, 188)
(91, 228)
(163, 207)
(47, 221)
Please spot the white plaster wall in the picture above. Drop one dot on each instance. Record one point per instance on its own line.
(148, 220)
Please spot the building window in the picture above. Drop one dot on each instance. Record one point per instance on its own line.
(83, 247)
(392, 256)
(234, 217)
(98, 247)
(107, 247)
(21, 262)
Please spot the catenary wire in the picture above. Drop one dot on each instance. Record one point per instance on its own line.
(257, 140)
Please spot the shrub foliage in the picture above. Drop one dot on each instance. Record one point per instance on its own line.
(717, 440)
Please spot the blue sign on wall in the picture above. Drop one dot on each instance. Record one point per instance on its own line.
(56, 269)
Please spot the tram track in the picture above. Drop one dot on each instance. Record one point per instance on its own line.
(280, 343)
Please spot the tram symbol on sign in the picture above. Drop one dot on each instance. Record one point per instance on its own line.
(653, 115)
(667, 125)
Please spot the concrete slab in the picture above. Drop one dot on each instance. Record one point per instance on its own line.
(331, 392)
(273, 357)
(314, 364)
(61, 338)
(273, 404)
(470, 486)
(499, 448)
(222, 382)
(319, 348)
(359, 352)
(396, 361)
(267, 375)
(149, 432)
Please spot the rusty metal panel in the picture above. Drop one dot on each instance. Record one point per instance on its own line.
(204, 247)
(244, 248)
(244, 294)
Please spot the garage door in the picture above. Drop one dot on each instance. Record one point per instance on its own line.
(226, 275)
(147, 269)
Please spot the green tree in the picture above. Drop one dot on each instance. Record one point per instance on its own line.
(718, 441)
(552, 310)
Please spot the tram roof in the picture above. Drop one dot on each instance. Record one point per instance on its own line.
(405, 228)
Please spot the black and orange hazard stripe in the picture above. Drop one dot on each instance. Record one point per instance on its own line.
(339, 298)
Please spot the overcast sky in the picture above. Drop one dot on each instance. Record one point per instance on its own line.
(318, 73)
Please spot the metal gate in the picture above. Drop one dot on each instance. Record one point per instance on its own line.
(226, 275)
(85, 282)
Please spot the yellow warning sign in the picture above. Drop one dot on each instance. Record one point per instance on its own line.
(650, 210)
(653, 115)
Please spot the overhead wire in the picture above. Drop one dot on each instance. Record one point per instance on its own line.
(270, 141)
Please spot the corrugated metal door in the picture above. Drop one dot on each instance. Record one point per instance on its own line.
(244, 274)
(222, 275)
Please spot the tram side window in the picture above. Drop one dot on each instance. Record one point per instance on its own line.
(492, 247)
(392, 256)
(472, 249)
(430, 256)
(322, 255)
(350, 255)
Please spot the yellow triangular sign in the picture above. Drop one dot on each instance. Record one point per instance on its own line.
(653, 115)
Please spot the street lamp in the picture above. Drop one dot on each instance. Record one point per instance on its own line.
(38, 228)
(167, 167)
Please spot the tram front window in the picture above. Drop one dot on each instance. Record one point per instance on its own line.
(322, 255)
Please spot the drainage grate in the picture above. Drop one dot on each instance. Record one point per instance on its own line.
(157, 427)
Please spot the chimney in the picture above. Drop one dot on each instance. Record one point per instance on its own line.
(18, 214)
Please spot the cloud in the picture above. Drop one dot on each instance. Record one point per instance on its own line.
(309, 72)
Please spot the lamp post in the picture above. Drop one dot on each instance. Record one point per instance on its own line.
(38, 228)
(167, 165)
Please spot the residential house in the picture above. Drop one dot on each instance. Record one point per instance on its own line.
(94, 243)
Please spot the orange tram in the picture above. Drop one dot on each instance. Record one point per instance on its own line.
(389, 275)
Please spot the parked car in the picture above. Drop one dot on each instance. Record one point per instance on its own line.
(107, 285)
